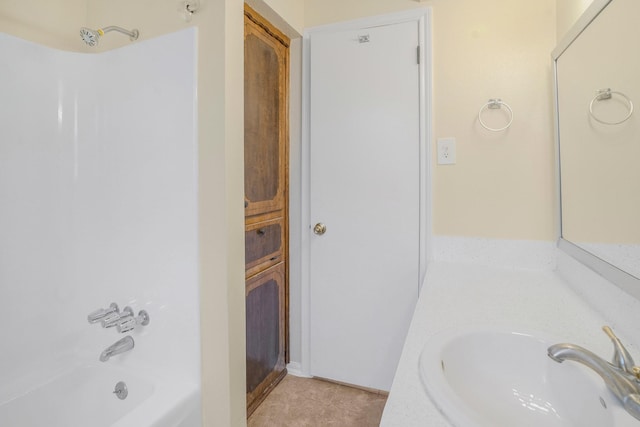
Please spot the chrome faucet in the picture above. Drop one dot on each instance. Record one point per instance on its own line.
(120, 346)
(620, 376)
(102, 313)
(114, 319)
(131, 322)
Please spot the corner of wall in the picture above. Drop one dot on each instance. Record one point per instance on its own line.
(52, 23)
(285, 15)
(567, 13)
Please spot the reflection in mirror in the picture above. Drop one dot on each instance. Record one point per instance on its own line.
(598, 82)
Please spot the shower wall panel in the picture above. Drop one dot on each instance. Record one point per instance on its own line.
(98, 204)
(36, 211)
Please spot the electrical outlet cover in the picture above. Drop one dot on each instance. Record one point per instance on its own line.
(446, 151)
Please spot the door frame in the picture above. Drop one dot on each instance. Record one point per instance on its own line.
(422, 16)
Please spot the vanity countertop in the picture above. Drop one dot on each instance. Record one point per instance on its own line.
(455, 295)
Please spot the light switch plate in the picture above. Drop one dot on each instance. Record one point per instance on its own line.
(446, 151)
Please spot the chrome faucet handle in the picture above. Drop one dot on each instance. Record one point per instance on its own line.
(621, 357)
(131, 322)
(115, 319)
(101, 313)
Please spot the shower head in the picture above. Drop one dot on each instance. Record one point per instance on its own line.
(91, 37)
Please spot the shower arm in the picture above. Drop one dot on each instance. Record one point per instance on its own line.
(133, 35)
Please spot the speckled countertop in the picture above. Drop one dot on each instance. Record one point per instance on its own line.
(455, 295)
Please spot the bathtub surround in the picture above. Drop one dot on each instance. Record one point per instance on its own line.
(98, 187)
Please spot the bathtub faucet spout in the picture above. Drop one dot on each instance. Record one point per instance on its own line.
(120, 346)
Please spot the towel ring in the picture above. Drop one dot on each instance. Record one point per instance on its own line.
(604, 94)
(494, 104)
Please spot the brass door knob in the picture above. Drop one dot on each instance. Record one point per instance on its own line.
(320, 229)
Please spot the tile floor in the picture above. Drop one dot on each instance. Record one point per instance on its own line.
(308, 402)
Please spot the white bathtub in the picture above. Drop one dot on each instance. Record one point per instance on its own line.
(84, 397)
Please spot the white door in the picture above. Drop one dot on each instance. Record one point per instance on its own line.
(365, 188)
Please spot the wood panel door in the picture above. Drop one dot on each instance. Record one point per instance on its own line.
(265, 115)
(266, 205)
(265, 333)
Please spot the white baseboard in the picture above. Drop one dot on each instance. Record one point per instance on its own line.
(295, 369)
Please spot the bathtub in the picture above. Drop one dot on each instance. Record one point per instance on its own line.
(84, 397)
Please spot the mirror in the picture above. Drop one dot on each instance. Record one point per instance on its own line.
(598, 115)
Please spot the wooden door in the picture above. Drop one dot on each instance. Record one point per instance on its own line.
(266, 204)
(365, 188)
(265, 120)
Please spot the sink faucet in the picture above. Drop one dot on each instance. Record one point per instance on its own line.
(620, 376)
(120, 346)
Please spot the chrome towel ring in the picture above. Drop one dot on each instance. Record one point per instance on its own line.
(604, 94)
(495, 104)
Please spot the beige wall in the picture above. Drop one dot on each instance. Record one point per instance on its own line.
(568, 12)
(503, 183)
(291, 11)
(220, 142)
(53, 23)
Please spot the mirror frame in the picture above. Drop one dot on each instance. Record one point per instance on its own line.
(615, 275)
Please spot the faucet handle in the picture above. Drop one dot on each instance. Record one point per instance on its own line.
(101, 313)
(621, 357)
(131, 322)
(115, 319)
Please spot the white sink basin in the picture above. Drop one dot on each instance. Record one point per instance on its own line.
(489, 377)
